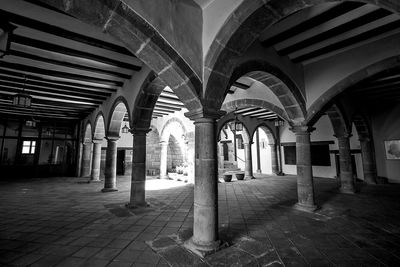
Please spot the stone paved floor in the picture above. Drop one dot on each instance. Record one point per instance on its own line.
(65, 222)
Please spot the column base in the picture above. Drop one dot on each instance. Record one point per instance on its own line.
(249, 177)
(202, 250)
(307, 208)
(280, 174)
(95, 181)
(137, 206)
(258, 171)
(106, 190)
(344, 190)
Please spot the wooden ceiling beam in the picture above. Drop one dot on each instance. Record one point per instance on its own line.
(69, 76)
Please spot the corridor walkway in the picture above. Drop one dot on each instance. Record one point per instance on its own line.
(68, 222)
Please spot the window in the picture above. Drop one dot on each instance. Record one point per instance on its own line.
(28, 147)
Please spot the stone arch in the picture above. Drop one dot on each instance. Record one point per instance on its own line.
(167, 129)
(227, 119)
(116, 116)
(316, 110)
(276, 80)
(338, 120)
(244, 26)
(118, 19)
(242, 103)
(99, 127)
(268, 131)
(87, 136)
(146, 100)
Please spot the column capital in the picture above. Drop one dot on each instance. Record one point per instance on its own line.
(272, 145)
(139, 131)
(302, 129)
(112, 138)
(200, 114)
(163, 142)
(97, 141)
(87, 143)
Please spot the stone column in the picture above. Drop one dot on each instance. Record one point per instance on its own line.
(220, 155)
(274, 159)
(138, 181)
(86, 159)
(258, 152)
(346, 170)
(305, 184)
(163, 160)
(205, 226)
(368, 161)
(96, 160)
(248, 166)
(79, 160)
(110, 179)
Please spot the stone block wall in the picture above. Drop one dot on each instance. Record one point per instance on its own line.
(174, 154)
(153, 149)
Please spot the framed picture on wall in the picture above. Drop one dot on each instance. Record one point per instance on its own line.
(392, 149)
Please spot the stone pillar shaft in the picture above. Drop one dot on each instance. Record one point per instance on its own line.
(163, 160)
(220, 155)
(86, 160)
(258, 151)
(368, 161)
(274, 159)
(346, 169)
(110, 173)
(248, 167)
(138, 181)
(305, 184)
(96, 160)
(205, 228)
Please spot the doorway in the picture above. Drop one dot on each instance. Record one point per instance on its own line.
(121, 162)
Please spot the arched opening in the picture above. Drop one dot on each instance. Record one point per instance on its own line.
(264, 151)
(233, 143)
(118, 127)
(97, 152)
(175, 162)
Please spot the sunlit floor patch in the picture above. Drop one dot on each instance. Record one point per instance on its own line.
(159, 184)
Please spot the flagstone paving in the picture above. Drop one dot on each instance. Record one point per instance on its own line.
(69, 222)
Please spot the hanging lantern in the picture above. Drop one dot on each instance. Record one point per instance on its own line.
(22, 99)
(30, 123)
(236, 125)
(125, 129)
(279, 122)
(6, 30)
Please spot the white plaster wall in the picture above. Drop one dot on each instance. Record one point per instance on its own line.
(265, 154)
(323, 132)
